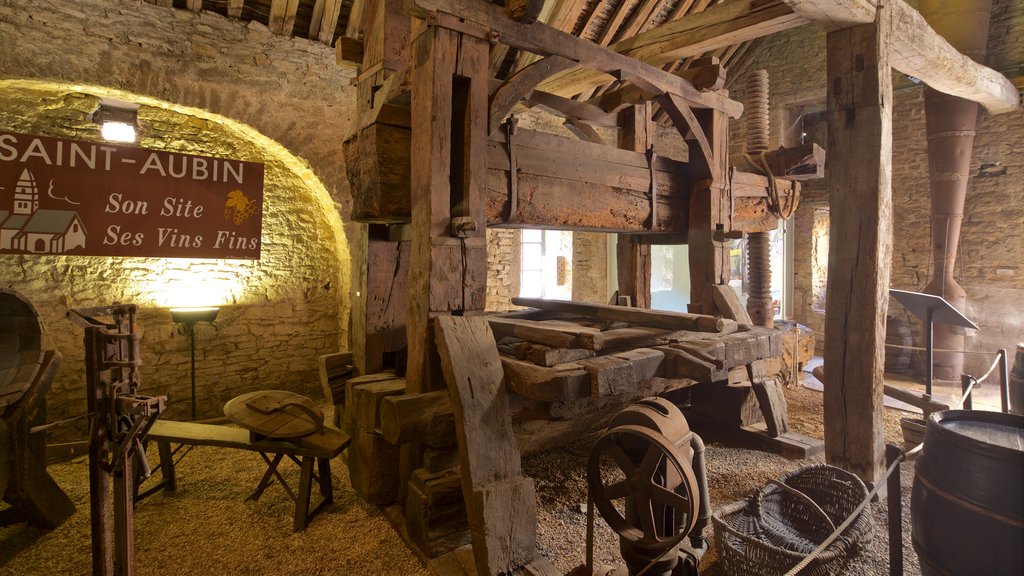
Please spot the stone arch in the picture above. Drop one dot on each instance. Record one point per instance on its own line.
(260, 320)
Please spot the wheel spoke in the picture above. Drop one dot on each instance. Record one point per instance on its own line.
(645, 512)
(623, 461)
(650, 462)
(667, 497)
(616, 491)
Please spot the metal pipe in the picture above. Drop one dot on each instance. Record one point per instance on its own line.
(700, 473)
(1004, 381)
(951, 123)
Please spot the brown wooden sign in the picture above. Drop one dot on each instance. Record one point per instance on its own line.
(73, 197)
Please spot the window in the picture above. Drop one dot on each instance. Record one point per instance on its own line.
(545, 264)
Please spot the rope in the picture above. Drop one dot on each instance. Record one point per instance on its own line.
(774, 199)
(922, 349)
(989, 373)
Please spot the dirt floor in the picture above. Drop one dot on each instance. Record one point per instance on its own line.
(208, 527)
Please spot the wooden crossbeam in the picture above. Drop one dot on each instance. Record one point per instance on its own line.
(725, 24)
(918, 51)
(546, 41)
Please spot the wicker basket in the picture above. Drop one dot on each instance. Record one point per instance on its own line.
(786, 520)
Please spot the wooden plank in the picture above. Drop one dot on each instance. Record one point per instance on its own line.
(722, 25)
(622, 372)
(549, 356)
(656, 318)
(628, 337)
(501, 504)
(373, 467)
(349, 418)
(728, 304)
(426, 418)
(367, 399)
(539, 38)
(559, 383)
(541, 332)
(918, 51)
(860, 244)
(282, 16)
(772, 402)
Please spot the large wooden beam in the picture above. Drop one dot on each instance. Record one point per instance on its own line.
(731, 22)
(547, 41)
(633, 259)
(448, 177)
(918, 51)
(860, 244)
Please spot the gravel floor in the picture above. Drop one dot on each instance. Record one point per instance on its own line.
(208, 528)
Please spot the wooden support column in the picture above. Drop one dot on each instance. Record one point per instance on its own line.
(636, 133)
(379, 298)
(710, 214)
(449, 143)
(860, 243)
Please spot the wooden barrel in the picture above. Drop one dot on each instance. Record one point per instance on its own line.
(897, 332)
(21, 350)
(967, 505)
(1017, 382)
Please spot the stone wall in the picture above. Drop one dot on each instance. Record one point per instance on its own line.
(989, 266)
(503, 257)
(207, 85)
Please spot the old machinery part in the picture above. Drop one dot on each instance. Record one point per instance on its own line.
(755, 107)
(760, 306)
(951, 123)
(642, 481)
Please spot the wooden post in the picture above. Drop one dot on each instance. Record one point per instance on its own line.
(709, 212)
(449, 141)
(633, 259)
(860, 243)
(379, 298)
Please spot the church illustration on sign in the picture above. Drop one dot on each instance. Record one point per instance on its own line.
(26, 228)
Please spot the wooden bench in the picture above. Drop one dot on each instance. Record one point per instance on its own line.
(318, 447)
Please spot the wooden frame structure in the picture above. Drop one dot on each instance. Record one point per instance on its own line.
(425, 93)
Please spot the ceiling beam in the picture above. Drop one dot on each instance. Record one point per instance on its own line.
(235, 8)
(282, 16)
(328, 22)
(919, 51)
(730, 22)
(547, 41)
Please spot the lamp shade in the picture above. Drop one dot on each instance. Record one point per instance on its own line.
(193, 315)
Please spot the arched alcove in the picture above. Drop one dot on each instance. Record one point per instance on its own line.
(277, 313)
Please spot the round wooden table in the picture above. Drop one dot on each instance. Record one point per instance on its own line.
(275, 414)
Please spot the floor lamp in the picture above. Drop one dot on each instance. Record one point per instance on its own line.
(188, 318)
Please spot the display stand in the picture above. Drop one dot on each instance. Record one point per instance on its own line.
(931, 309)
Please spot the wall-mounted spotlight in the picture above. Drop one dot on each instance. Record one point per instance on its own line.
(118, 120)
